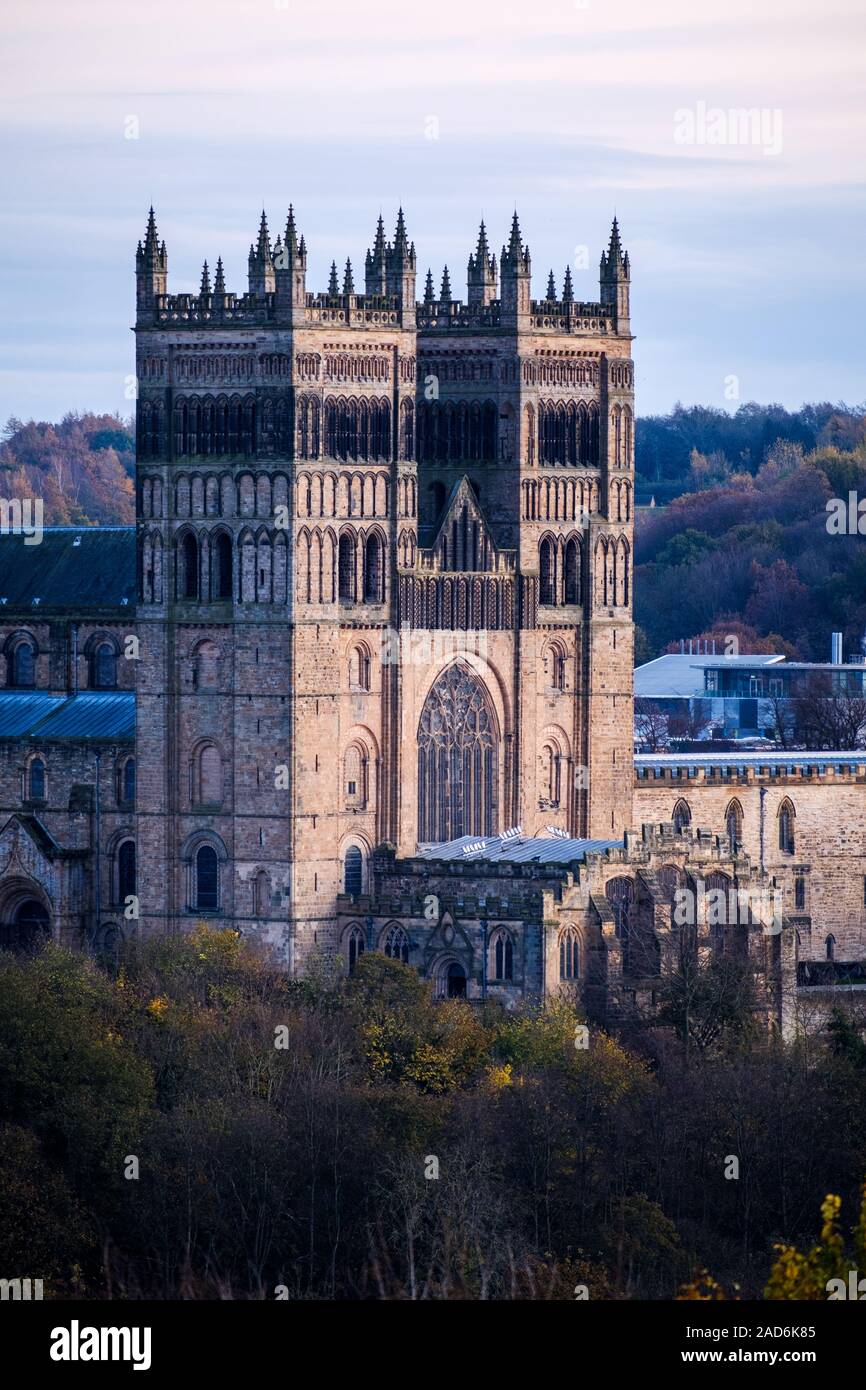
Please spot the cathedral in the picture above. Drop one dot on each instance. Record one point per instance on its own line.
(360, 677)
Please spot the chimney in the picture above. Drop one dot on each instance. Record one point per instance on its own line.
(836, 648)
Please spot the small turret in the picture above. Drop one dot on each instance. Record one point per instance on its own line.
(261, 264)
(348, 279)
(551, 288)
(445, 291)
(333, 282)
(204, 287)
(481, 272)
(567, 287)
(429, 292)
(151, 270)
(290, 267)
(516, 278)
(615, 279)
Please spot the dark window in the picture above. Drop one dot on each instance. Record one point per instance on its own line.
(547, 576)
(831, 947)
(126, 870)
(346, 568)
(569, 960)
(786, 830)
(503, 958)
(397, 945)
(572, 573)
(207, 879)
(105, 667)
(128, 783)
(353, 871)
(223, 567)
(457, 760)
(23, 672)
(356, 948)
(37, 780)
(373, 571)
(189, 551)
(799, 891)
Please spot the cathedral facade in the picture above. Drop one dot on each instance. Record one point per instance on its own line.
(360, 677)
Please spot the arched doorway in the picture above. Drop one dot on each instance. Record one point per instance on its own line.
(457, 759)
(455, 981)
(26, 927)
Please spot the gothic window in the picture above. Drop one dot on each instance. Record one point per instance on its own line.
(547, 573)
(569, 955)
(188, 577)
(103, 667)
(346, 568)
(682, 816)
(786, 828)
(222, 567)
(502, 957)
(356, 945)
(457, 759)
(734, 825)
(830, 947)
(125, 870)
(37, 780)
(353, 871)
(397, 944)
(206, 879)
(620, 895)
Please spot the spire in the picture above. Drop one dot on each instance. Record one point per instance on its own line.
(567, 288)
(219, 286)
(333, 283)
(429, 292)
(204, 288)
(481, 273)
(515, 244)
(348, 279)
(376, 262)
(445, 292)
(482, 251)
(551, 286)
(379, 239)
(151, 269)
(263, 247)
(614, 277)
(151, 241)
(290, 240)
(401, 241)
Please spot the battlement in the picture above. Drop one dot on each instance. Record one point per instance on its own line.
(715, 769)
(555, 316)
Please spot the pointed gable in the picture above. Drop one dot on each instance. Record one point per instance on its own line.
(464, 541)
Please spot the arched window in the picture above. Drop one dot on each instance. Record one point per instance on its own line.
(261, 894)
(207, 788)
(786, 828)
(222, 567)
(207, 879)
(547, 573)
(572, 572)
(359, 668)
(356, 946)
(189, 565)
(502, 954)
(734, 825)
(346, 568)
(397, 944)
(551, 765)
(127, 781)
(356, 774)
(373, 570)
(556, 666)
(126, 870)
(569, 955)
(457, 759)
(103, 667)
(830, 947)
(22, 665)
(682, 816)
(353, 871)
(37, 780)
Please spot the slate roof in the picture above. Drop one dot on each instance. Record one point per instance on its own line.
(72, 567)
(678, 675)
(523, 849)
(91, 715)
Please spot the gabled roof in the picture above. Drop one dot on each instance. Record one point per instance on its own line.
(462, 495)
(71, 567)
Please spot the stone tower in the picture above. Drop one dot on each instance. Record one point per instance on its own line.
(322, 670)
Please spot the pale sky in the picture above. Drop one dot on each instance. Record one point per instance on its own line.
(746, 238)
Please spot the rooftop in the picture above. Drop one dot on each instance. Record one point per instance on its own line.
(679, 675)
(108, 715)
(80, 567)
(516, 849)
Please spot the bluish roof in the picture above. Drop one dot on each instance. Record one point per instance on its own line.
(517, 849)
(92, 715)
(71, 567)
(680, 675)
(768, 757)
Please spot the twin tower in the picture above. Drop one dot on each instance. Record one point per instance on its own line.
(385, 571)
